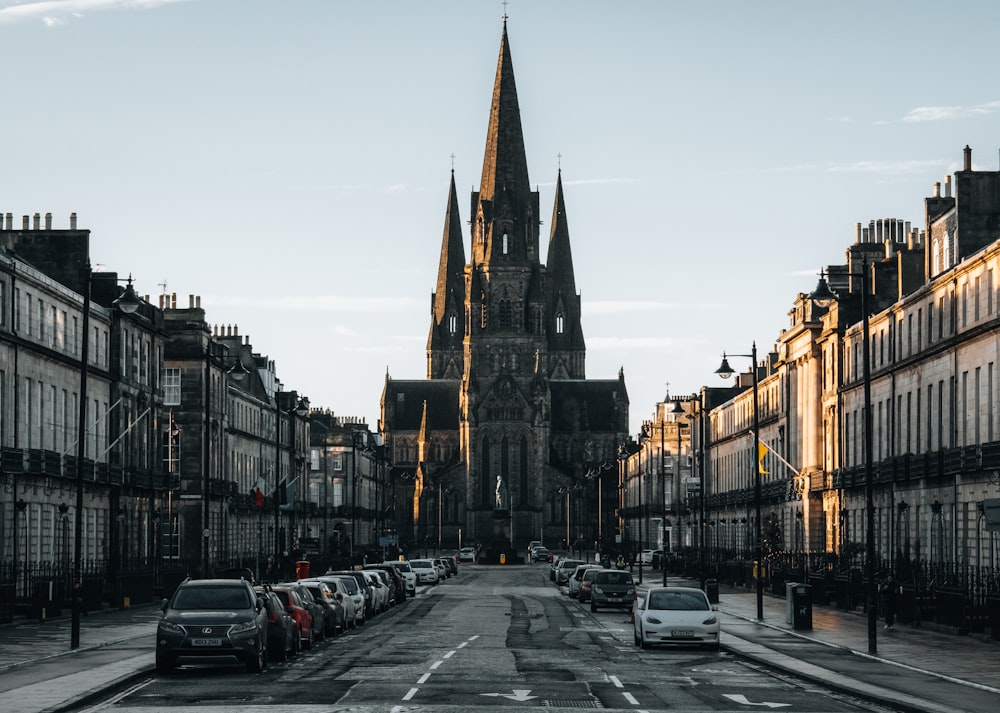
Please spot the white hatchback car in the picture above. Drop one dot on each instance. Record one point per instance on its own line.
(675, 615)
(425, 570)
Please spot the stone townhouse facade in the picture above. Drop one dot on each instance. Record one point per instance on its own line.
(933, 308)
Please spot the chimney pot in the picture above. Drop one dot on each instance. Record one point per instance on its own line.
(937, 189)
(72, 221)
(37, 221)
(48, 221)
(967, 158)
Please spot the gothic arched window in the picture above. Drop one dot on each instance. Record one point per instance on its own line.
(560, 325)
(504, 244)
(452, 323)
(505, 315)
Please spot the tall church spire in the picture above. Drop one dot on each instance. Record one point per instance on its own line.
(505, 210)
(444, 343)
(505, 166)
(564, 328)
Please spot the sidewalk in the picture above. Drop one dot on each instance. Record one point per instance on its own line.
(915, 669)
(39, 672)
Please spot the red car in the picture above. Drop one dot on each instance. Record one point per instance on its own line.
(587, 583)
(297, 610)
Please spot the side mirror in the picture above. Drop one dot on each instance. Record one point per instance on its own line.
(164, 604)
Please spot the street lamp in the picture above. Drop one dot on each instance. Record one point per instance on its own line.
(128, 303)
(678, 410)
(301, 408)
(823, 296)
(725, 371)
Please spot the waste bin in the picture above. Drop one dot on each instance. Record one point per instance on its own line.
(302, 569)
(712, 590)
(790, 602)
(802, 613)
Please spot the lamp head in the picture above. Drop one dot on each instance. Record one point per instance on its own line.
(724, 370)
(128, 301)
(823, 296)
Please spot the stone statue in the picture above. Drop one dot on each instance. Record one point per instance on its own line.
(501, 493)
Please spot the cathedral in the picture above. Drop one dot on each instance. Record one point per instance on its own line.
(505, 441)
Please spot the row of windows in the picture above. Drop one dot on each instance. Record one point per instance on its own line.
(922, 418)
(926, 324)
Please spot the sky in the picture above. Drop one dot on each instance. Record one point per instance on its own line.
(288, 161)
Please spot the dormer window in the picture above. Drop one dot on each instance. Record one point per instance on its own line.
(504, 243)
(560, 323)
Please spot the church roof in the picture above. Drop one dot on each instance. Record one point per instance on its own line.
(586, 405)
(406, 399)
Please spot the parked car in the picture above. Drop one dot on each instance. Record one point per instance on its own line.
(282, 632)
(675, 615)
(333, 611)
(315, 609)
(451, 563)
(212, 618)
(297, 609)
(532, 545)
(467, 554)
(612, 588)
(366, 589)
(406, 572)
(380, 590)
(426, 572)
(573, 583)
(397, 583)
(586, 584)
(348, 586)
(442, 569)
(541, 554)
(565, 570)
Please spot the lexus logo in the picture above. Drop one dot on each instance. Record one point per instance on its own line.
(207, 630)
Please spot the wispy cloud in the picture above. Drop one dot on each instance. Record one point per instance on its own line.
(56, 12)
(948, 113)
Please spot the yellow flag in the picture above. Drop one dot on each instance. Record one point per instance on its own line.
(761, 452)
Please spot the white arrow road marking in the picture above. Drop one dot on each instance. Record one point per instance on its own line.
(740, 698)
(517, 695)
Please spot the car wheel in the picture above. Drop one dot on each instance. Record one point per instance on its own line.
(296, 644)
(259, 662)
(308, 641)
(165, 665)
(593, 605)
(282, 653)
(638, 639)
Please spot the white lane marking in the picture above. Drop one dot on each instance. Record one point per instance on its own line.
(449, 654)
(740, 698)
(423, 679)
(630, 698)
(473, 638)
(410, 694)
(616, 681)
(462, 645)
(515, 695)
(436, 664)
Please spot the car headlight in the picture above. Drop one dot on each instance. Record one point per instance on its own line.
(243, 627)
(170, 627)
(710, 620)
(652, 620)
(597, 590)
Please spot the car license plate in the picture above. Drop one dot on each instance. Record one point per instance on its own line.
(206, 642)
(681, 632)
(614, 599)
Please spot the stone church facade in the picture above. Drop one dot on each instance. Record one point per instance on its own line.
(503, 441)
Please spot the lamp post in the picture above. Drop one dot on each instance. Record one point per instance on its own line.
(725, 371)
(823, 296)
(128, 303)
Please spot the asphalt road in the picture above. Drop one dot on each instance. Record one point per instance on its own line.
(502, 638)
